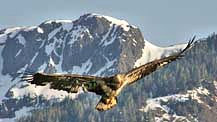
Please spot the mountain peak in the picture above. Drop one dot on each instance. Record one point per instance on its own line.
(124, 24)
(58, 21)
(112, 21)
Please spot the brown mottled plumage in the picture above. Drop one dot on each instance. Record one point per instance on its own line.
(107, 87)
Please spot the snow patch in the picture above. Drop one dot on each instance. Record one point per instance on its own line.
(18, 53)
(123, 40)
(9, 30)
(13, 31)
(67, 26)
(105, 36)
(124, 24)
(33, 59)
(59, 65)
(40, 30)
(108, 42)
(78, 34)
(134, 41)
(49, 48)
(58, 21)
(151, 52)
(195, 94)
(21, 39)
(30, 28)
(51, 62)
(152, 104)
(83, 69)
(155, 104)
(107, 65)
(159, 103)
(53, 33)
(3, 38)
(34, 91)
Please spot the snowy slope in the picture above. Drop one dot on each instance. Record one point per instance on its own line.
(152, 52)
(168, 107)
(93, 44)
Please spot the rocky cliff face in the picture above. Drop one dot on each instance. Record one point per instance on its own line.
(93, 44)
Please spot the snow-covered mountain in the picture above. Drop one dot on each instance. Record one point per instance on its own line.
(93, 44)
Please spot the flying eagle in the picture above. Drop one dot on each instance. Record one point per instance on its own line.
(107, 87)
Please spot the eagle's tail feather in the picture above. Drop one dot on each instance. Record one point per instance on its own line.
(106, 103)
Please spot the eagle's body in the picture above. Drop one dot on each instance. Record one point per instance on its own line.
(107, 87)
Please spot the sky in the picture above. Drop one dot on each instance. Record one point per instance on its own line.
(162, 22)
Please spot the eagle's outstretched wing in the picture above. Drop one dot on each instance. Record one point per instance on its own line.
(67, 82)
(103, 86)
(144, 70)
